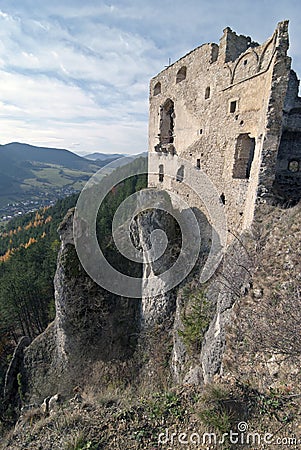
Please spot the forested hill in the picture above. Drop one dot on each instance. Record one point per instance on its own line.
(40, 175)
(23, 231)
(19, 153)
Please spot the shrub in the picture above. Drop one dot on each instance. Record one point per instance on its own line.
(196, 319)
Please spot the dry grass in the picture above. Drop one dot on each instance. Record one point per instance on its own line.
(263, 347)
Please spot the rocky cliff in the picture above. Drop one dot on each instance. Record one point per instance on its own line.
(155, 339)
(93, 331)
(229, 345)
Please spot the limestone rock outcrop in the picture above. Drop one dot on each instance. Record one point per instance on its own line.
(91, 326)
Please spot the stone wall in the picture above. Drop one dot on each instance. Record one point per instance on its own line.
(221, 108)
(287, 184)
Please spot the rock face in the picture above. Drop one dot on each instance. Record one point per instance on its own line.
(91, 326)
(15, 368)
(160, 309)
(91, 323)
(229, 283)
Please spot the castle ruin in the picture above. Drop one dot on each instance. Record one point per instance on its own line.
(233, 111)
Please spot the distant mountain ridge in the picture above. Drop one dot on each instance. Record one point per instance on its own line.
(24, 152)
(29, 173)
(103, 156)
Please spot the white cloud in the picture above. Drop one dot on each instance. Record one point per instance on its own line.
(76, 73)
(42, 111)
(60, 88)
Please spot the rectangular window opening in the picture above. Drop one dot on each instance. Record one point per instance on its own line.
(233, 106)
(244, 155)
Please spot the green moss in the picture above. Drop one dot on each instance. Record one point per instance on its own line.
(20, 387)
(71, 263)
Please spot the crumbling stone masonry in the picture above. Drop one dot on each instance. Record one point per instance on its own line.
(232, 110)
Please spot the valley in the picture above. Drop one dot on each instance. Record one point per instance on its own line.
(34, 177)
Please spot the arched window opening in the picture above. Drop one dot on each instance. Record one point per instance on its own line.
(198, 163)
(244, 155)
(161, 173)
(181, 75)
(167, 116)
(157, 88)
(180, 174)
(207, 92)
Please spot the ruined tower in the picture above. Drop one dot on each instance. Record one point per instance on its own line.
(233, 111)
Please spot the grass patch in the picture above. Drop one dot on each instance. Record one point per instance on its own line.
(196, 319)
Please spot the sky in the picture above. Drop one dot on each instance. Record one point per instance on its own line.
(75, 73)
